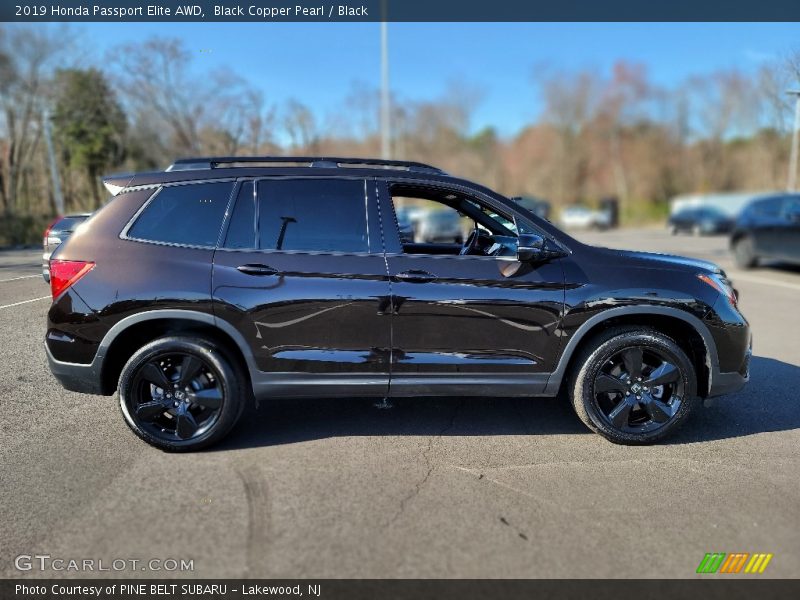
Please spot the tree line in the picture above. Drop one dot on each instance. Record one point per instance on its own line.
(596, 135)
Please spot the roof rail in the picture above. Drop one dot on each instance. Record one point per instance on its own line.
(329, 162)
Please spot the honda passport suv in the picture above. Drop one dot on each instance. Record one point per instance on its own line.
(221, 281)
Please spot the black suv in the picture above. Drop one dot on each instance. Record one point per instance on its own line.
(222, 280)
(768, 228)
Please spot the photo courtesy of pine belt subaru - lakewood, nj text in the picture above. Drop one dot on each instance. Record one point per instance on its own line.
(220, 281)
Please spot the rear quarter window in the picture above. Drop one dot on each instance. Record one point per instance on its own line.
(67, 224)
(190, 215)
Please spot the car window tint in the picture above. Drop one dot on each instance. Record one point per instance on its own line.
(242, 228)
(322, 215)
(792, 205)
(67, 224)
(184, 214)
(769, 207)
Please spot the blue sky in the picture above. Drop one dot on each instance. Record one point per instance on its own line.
(319, 63)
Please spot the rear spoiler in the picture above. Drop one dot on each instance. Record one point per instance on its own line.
(116, 183)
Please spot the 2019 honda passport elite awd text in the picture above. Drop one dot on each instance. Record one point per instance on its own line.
(222, 279)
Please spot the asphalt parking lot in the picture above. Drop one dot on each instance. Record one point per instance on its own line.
(428, 488)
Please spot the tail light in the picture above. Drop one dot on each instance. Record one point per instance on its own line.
(64, 273)
(49, 227)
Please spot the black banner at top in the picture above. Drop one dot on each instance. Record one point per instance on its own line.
(397, 10)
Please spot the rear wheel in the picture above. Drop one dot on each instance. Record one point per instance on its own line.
(181, 393)
(744, 253)
(633, 385)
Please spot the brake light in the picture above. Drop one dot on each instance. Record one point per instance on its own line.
(49, 227)
(64, 273)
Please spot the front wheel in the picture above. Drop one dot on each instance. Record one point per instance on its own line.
(181, 393)
(744, 253)
(633, 385)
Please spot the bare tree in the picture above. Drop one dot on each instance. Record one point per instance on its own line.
(27, 60)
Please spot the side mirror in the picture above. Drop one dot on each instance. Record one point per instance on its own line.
(530, 247)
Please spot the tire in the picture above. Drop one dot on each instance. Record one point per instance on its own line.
(673, 230)
(209, 400)
(618, 416)
(744, 253)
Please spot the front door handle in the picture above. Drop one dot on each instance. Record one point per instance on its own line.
(415, 276)
(257, 269)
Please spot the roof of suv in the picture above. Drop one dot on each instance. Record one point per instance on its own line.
(223, 167)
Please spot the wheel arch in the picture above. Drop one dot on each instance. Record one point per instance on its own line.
(688, 331)
(131, 333)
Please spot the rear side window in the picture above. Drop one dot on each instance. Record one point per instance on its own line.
(769, 207)
(67, 224)
(323, 215)
(184, 214)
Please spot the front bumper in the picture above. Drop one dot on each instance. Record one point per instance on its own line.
(76, 377)
(729, 382)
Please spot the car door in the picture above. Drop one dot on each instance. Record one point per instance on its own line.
(302, 277)
(469, 324)
(766, 224)
(788, 236)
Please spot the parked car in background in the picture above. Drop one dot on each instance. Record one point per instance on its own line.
(700, 220)
(581, 217)
(58, 231)
(768, 228)
(405, 224)
(440, 226)
(539, 207)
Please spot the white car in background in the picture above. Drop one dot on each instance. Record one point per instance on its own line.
(581, 217)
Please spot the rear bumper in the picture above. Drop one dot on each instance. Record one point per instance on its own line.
(76, 377)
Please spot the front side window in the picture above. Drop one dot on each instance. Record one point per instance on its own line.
(443, 221)
(184, 214)
(317, 215)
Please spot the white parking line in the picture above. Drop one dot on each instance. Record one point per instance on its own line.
(764, 281)
(23, 277)
(24, 302)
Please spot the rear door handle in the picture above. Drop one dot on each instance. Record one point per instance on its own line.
(253, 269)
(415, 276)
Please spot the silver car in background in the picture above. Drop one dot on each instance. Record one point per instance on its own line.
(58, 232)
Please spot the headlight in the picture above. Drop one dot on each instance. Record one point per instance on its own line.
(721, 284)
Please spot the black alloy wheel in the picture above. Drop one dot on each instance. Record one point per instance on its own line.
(633, 385)
(176, 396)
(180, 393)
(638, 390)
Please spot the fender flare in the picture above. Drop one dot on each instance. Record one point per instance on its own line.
(179, 314)
(711, 357)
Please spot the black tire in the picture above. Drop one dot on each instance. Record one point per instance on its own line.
(615, 413)
(209, 403)
(744, 253)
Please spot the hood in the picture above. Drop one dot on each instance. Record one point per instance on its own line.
(666, 261)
